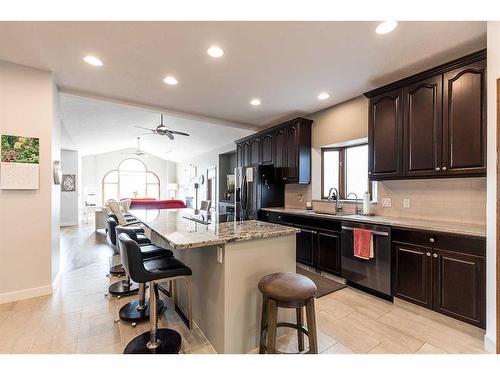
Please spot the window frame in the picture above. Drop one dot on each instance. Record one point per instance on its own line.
(342, 171)
(146, 183)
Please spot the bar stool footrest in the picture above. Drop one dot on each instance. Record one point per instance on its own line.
(295, 326)
(130, 313)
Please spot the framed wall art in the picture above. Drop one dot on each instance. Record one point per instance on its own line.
(68, 182)
(19, 165)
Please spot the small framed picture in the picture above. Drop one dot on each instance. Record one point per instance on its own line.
(68, 182)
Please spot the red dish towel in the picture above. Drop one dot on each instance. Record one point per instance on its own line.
(363, 243)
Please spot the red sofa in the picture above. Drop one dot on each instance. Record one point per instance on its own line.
(149, 203)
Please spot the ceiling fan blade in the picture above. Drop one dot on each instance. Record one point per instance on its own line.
(179, 133)
(169, 135)
(142, 127)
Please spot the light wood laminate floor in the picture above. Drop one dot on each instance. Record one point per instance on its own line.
(78, 318)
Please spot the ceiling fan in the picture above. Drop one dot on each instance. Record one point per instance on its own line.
(137, 152)
(162, 130)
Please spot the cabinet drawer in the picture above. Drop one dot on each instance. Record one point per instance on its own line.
(445, 241)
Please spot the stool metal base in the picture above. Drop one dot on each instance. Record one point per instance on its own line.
(117, 270)
(130, 313)
(123, 288)
(170, 343)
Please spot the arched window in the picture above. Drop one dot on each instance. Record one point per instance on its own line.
(131, 180)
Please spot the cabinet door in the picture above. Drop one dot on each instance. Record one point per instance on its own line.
(246, 154)
(413, 274)
(423, 128)
(279, 152)
(464, 120)
(328, 252)
(291, 170)
(267, 149)
(385, 136)
(255, 151)
(459, 286)
(239, 155)
(305, 246)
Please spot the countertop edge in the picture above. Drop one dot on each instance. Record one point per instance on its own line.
(385, 221)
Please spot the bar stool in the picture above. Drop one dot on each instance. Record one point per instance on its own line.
(157, 341)
(122, 287)
(138, 309)
(287, 290)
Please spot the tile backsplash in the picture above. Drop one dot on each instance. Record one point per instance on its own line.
(453, 199)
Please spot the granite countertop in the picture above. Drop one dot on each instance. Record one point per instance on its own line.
(182, 233)
(476, 230)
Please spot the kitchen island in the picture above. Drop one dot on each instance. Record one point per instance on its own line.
(227, 259)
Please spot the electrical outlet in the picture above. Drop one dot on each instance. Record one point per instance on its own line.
(219, 254)
(406, 203)
(386, 202)
(301, 197)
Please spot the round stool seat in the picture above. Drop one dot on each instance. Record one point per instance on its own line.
(287, 287)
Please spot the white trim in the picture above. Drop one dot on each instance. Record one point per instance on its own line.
(26, 293)
(490, 344)
(57, 281)
(68, 224)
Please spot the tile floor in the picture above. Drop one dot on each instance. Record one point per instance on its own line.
(78, 318)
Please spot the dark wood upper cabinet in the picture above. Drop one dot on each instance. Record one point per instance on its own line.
(459, 286)
(287, 146)
(239, 154)
(464, 120)
(423, 127)
(255, 151)
(290, 171)
(412, 274)
(433, 124)
(266, 144)
(385, 135)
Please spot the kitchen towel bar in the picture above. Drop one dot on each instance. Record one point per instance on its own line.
(377, 233)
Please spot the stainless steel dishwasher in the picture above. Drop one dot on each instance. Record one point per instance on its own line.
(373, 274)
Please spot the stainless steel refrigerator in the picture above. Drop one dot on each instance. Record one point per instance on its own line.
(257, 187)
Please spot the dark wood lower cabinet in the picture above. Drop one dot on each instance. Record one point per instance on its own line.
(305, 242)
(445, 273)
(412, 274)
(459, 281)
(328, 253)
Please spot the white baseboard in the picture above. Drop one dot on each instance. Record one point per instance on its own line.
(25, 294)
(57, 281)
(490, 344)
(69, 224)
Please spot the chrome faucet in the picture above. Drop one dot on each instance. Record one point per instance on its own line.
(357, 210)
(337, 207)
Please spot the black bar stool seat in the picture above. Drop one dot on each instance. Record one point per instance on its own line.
(157, 341)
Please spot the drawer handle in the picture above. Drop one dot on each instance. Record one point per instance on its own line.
(438, 169)
(435, 255)
(428, 254)
(444, 168)
(431, 240)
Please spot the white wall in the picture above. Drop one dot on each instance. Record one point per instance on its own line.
(69, 199)
(203, 162)
(94, 167)
(493, 75)
(29, 219)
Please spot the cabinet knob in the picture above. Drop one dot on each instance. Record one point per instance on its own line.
(435, 255)
(444, 168)
(369, 172)
(428, 254)
(438, 169)
(431, 240)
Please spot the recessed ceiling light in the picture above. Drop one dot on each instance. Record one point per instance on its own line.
(386, 27)
(323, 96)
(169, 80)
(255, 101)
(215, 51)
(92, 60)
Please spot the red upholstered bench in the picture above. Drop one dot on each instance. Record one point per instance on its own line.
(147, 203)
